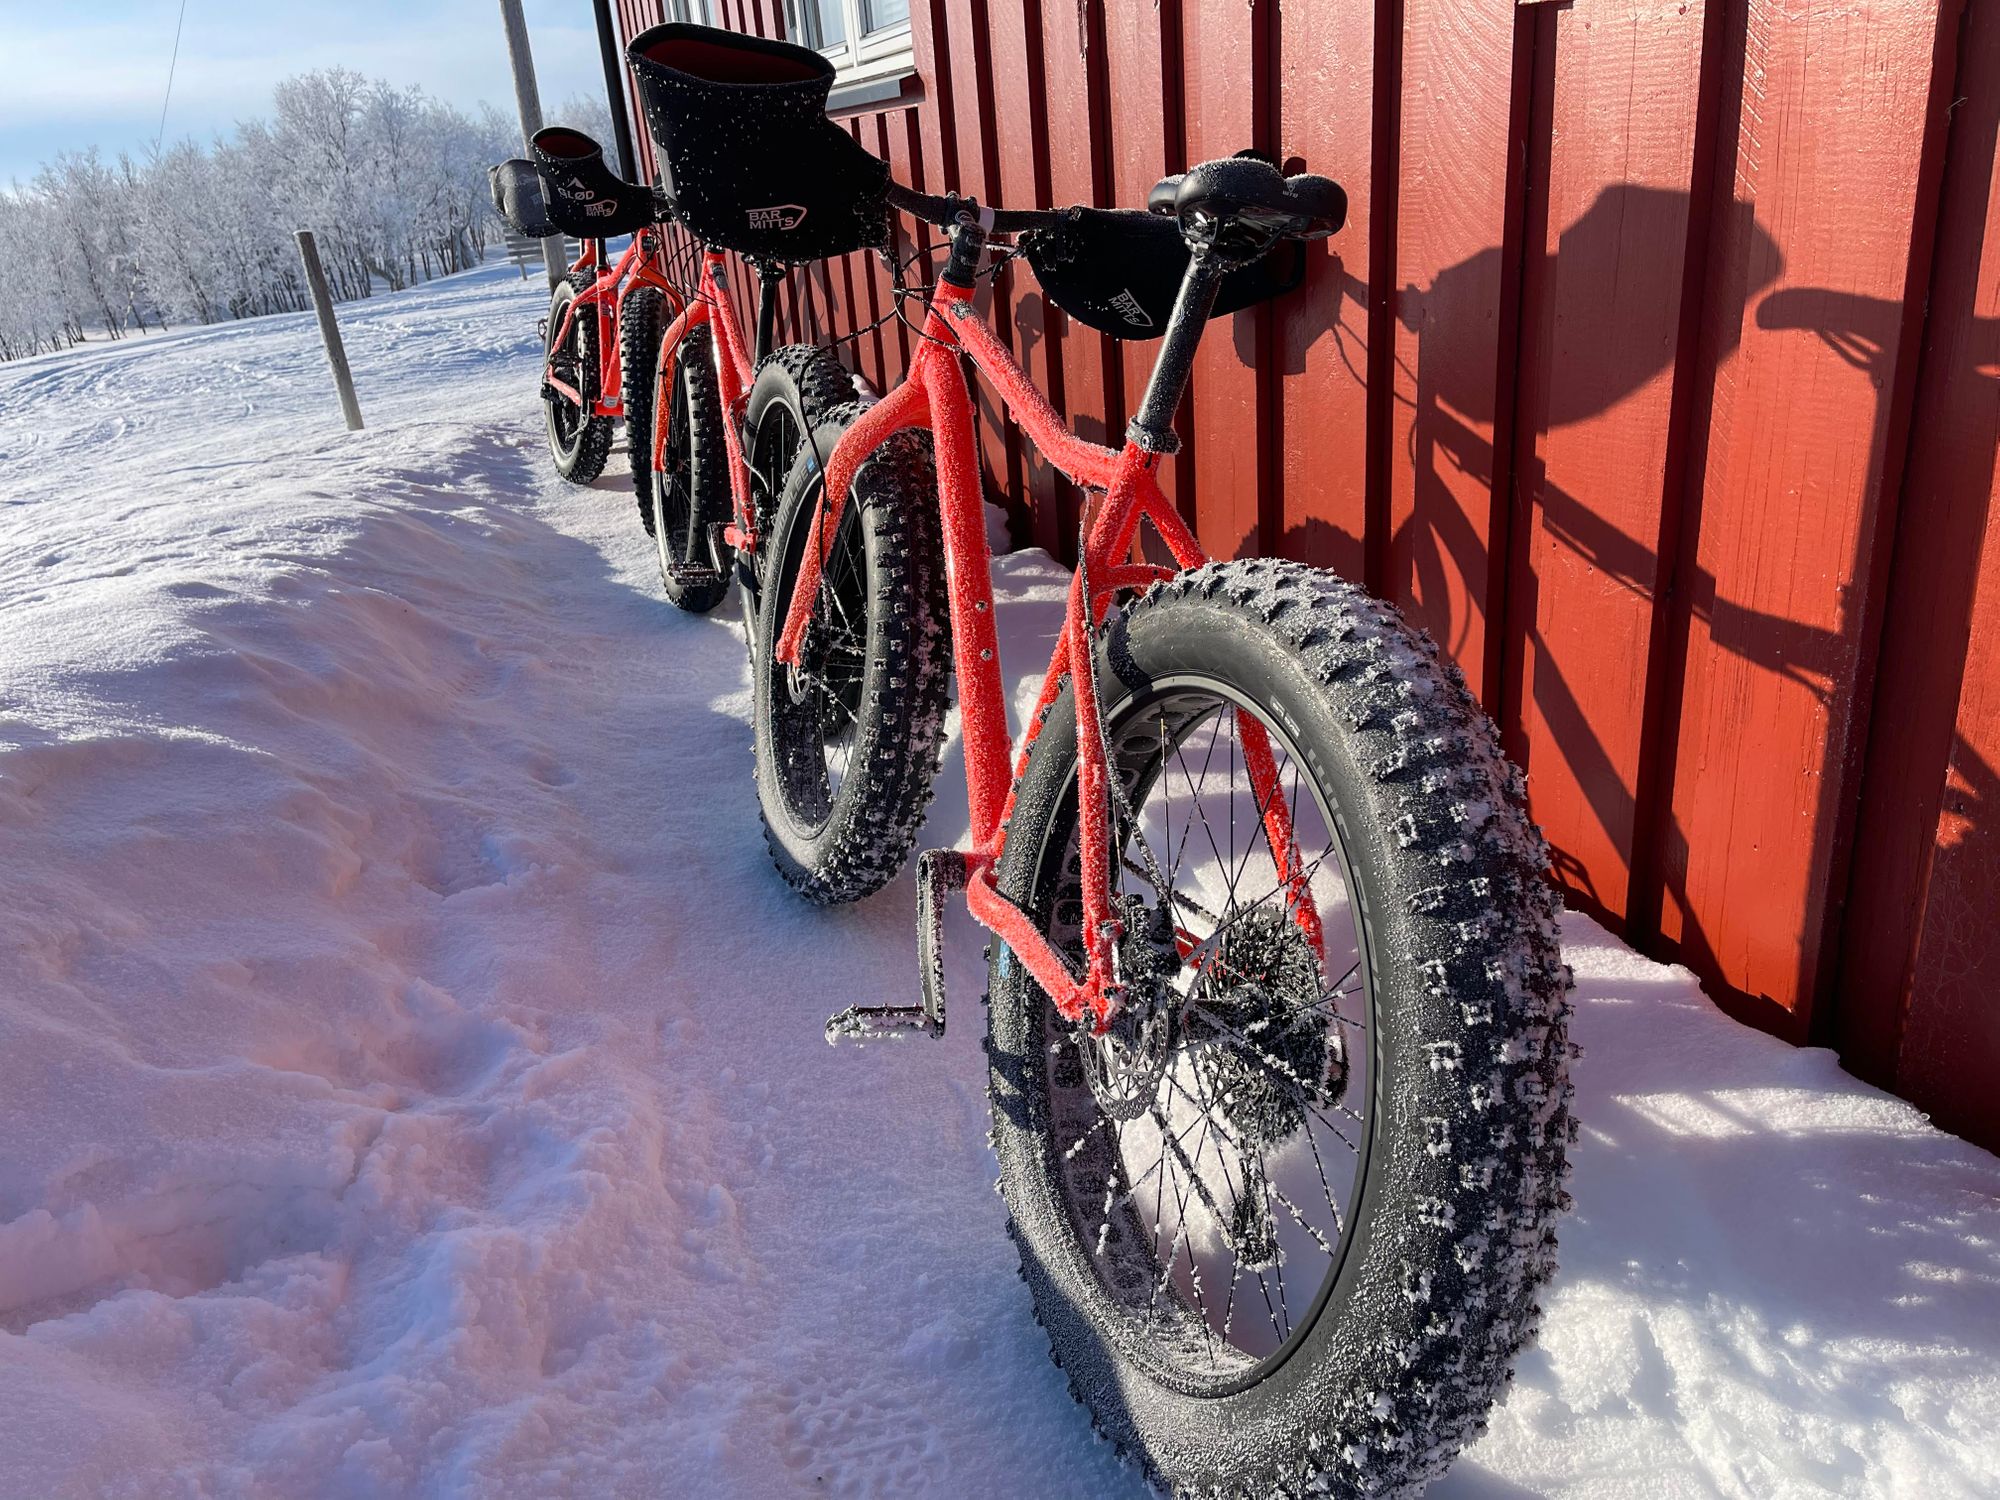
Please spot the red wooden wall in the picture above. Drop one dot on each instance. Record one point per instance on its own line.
(1655, 374)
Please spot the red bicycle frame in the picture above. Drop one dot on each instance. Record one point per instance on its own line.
(934, 395)
(733, 372)
(606, 294)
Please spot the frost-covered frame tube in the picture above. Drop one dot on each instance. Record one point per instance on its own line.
(933, 395)
(609, 287)
(714, 307)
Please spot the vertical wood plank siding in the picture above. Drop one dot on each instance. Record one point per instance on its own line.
(1653, 374)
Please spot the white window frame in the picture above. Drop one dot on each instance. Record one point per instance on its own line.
(689, 10)
(857, 58)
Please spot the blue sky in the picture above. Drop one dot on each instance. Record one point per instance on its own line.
(79, 74)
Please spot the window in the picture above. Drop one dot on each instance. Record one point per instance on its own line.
(863, 39)
(689, 10)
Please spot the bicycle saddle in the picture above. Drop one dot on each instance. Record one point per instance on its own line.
(1240, 206)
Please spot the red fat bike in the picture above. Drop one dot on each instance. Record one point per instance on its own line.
(726, 419)
(1276, 1018)
(624, 339)
(604, 314)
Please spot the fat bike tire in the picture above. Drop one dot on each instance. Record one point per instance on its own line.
(847, 743)
(638, 362)
(690, 488)
(795, 389)
(579, 442)
(1213, 1339)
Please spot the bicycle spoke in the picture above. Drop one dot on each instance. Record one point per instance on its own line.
(1241, 1212)
(1227, 1226)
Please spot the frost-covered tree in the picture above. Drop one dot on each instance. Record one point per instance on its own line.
(591, 114)
(391, 182)
(35, 311)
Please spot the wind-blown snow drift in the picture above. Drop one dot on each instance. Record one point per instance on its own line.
(411, 1068)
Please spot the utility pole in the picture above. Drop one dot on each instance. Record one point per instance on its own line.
(529, 98)
(329, 331)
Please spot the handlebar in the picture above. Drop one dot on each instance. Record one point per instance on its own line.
(945, 212)
(1240, 205)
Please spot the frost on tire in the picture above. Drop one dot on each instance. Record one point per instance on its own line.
(638, 360)
(690, 492)
(797, 387)
(847, 743)
(579, 441)
(1458, 1100)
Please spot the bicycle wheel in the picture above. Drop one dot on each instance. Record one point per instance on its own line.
(578, 441)
(795, 390)
(691, 483)
(1286, 1221)
(638, 360)
(847, 741)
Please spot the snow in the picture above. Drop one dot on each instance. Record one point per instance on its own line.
(412, 1069)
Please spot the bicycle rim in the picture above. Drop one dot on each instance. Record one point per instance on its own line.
(816, 704)
(1211, 1150)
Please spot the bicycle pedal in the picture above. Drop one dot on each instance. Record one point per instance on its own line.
(880, 1023)
(692, 575)
(940, 872)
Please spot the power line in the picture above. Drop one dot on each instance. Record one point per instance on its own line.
(160, 134)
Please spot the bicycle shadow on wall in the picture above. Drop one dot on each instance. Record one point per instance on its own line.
(1446, 386)
(1447, 389)
(1863, 332)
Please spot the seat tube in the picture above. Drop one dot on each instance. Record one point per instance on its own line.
(1153, 428)
(770, 276)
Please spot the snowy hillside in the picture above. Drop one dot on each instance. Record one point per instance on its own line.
(411, 1070)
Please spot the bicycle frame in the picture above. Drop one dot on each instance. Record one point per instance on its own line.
(733, 371)
(635, 267)
(934, 394)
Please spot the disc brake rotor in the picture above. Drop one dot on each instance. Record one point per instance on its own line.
(1127, 1064)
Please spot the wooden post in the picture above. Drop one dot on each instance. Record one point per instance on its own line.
(329, 331)
(529, 99)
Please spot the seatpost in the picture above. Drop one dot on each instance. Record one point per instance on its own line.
(769, 275)
(1153, 428)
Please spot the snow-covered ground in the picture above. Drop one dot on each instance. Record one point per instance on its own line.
(411, 1077)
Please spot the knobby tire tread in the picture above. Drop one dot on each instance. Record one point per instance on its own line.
(593, 442)
(881, 804)
(1464, 1239)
